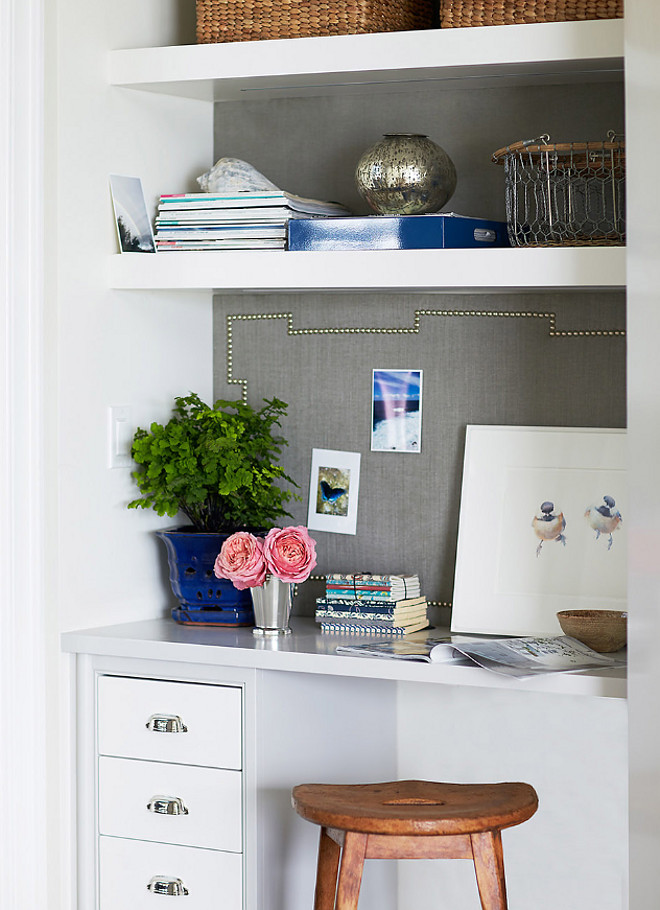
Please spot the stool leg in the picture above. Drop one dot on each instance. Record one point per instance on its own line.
(489, 868)
(326, 873)
(350, 870)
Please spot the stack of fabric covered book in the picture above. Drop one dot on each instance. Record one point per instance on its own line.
(366, 604)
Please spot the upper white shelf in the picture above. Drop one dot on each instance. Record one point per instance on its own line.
(415, 270)
(547, 52)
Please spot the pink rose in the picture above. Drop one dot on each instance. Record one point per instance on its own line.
(241, 560)
(290, 553)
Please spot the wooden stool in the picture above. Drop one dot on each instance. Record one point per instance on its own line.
(410, 819)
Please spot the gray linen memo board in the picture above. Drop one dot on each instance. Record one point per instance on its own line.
(317, 352)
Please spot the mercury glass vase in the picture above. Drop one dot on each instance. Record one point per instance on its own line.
(405, 174)
(272, 607)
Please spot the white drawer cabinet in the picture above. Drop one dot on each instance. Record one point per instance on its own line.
(253, 733)
(190, 723)
(169, 794)
(176, 804)
(205, 879)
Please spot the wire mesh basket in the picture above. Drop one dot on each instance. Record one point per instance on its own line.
(565, 193)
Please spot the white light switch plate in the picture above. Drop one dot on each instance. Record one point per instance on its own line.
(120, 436)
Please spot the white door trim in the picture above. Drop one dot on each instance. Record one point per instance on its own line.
(23, 856)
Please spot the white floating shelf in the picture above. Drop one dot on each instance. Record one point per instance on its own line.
(415, 270)
(546, 52)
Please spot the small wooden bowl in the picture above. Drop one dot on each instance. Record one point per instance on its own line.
(601, 630)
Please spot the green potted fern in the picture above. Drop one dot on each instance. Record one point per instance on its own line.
(218, 466)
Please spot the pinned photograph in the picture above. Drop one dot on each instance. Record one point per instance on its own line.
(131, 216)
(333, 491)
(396, 424)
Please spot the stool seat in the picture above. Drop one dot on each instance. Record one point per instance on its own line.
(410, 819)
(415, 807)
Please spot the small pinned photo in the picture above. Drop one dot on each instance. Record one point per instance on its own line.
(131, 217)
(396, 424)
(333, 491)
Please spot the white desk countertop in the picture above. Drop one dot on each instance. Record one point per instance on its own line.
(309, 651)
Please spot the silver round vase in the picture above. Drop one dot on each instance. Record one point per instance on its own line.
(405, 174)
(272, 607)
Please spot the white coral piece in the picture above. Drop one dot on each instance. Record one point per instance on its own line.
(231, 175)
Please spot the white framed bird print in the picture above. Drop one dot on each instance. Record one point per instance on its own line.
(541, 529)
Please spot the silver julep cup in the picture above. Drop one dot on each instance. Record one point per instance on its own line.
(272, 607)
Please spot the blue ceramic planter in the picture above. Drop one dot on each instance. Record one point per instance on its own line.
(203, 598)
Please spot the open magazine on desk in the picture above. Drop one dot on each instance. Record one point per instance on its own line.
(518, 657)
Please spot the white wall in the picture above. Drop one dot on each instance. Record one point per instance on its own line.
(114, 348)
(643, 137)
(571, 855)
(22, 639)
(106, 347)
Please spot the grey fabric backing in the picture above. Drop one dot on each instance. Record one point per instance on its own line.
(311, 145)
(477, 369)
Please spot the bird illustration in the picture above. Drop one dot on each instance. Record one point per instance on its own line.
(548, 525)
(604, 519)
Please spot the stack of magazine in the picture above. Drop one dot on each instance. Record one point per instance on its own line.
(366, 604)
(242, 221)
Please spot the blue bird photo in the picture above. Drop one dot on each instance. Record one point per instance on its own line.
(549, 525)
(604, 519)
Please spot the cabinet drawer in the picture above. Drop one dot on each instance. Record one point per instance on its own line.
(135, 721)
(211, 878)
(209, 808)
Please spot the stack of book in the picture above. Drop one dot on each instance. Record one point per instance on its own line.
(372, 605)
(242, 221)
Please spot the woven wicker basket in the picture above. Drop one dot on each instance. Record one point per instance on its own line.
(257, 20)
(461, 13)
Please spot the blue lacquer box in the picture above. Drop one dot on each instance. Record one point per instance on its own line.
(401, 232)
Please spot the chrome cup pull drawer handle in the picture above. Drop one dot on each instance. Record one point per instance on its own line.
(167, 805)
(163, 884)
(166, 723)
